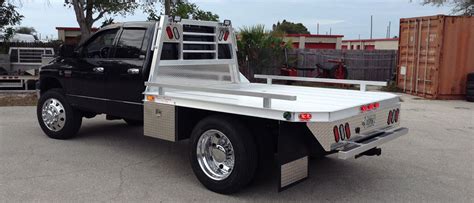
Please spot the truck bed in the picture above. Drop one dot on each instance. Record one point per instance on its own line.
(325, 104)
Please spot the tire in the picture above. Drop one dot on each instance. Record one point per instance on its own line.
(133, 122)
(334, 74)
(242, 148)
(68, 120)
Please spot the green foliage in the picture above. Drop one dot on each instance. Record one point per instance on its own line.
(25, 30)
(8, 17)
(186, 10)
(261, 50)
(462, 7)
(290, 28)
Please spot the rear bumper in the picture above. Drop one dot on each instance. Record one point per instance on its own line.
(354, 148)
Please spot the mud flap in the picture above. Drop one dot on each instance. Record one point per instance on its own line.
(292, 155)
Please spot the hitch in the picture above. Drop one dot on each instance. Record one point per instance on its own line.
(371, 152)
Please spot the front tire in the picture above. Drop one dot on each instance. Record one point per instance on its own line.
(223, 154)
(56, 117)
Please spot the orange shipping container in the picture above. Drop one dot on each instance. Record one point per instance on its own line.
(435, 55)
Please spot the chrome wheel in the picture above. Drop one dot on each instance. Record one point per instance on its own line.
(215, 155)
(53, 114)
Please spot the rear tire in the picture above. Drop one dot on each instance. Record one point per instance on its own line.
(210, 138)
(56, 117)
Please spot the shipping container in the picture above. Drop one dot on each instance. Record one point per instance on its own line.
(435, 55)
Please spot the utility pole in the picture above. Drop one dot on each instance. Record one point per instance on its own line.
(389, 28)
(318, 29)
(371, 25)
(330, 31)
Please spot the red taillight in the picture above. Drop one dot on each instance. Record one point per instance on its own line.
(169, 32)
(363, 108)
(377, 105)
(336, 133)
(305, 116)
(348, 131)
(226, 35)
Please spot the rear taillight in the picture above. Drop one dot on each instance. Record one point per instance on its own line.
(348, 131)
(226, 35)
(176, 33)
(169, 32)
(393, 116)
(336, 133)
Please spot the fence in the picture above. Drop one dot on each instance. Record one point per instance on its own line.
(375, 65)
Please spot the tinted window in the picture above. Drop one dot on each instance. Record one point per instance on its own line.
(100, 45)
(130, 44)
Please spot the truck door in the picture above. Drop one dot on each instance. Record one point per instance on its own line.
(87, 76)
(125, 80)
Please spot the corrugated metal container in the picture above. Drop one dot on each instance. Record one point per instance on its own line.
(435, 55)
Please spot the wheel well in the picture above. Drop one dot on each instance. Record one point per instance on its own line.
(265, 131)
(49, 83)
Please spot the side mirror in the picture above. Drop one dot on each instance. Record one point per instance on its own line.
(67, 51)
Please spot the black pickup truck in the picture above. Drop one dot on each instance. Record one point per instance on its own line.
(103, 75)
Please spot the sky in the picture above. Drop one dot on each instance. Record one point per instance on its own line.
(342, 17)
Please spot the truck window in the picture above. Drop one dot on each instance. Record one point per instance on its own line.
(130, 44)
(100, 45)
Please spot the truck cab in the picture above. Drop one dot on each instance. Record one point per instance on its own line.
(106, 73)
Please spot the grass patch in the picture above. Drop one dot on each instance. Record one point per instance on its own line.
(18, 99)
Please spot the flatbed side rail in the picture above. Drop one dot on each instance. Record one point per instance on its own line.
(267, 97)
(362, 83)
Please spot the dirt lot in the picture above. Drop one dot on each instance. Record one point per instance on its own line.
(110, 161)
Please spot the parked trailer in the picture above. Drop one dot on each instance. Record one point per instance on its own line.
(194, 91)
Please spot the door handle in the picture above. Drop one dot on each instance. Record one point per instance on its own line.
(133, 71)
(98, 69)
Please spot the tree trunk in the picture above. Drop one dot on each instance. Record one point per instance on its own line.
(84, 20)
(167, 7)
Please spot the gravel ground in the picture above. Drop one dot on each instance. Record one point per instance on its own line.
(110, 161)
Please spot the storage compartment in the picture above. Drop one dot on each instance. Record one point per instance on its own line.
(159, 121)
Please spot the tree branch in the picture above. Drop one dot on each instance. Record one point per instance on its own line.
(101, 14)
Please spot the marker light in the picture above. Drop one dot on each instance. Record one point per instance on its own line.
(227, 22)
(226, 35)
(169, 32)
(305, 116)
(150, 98)
(369, 107)
(335, 130)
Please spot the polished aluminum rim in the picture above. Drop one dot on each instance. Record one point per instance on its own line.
(215, 155)
(53, 114)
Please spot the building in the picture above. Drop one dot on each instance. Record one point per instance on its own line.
(310, 41)
(70, 35)
(371, 44)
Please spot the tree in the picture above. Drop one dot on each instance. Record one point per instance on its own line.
(26, 30)
(186, 10)
(462, 7)
(8, 17)
(260, 50)
(290, 28)
(86, 9)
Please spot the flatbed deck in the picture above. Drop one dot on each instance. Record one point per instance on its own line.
(325, 104)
